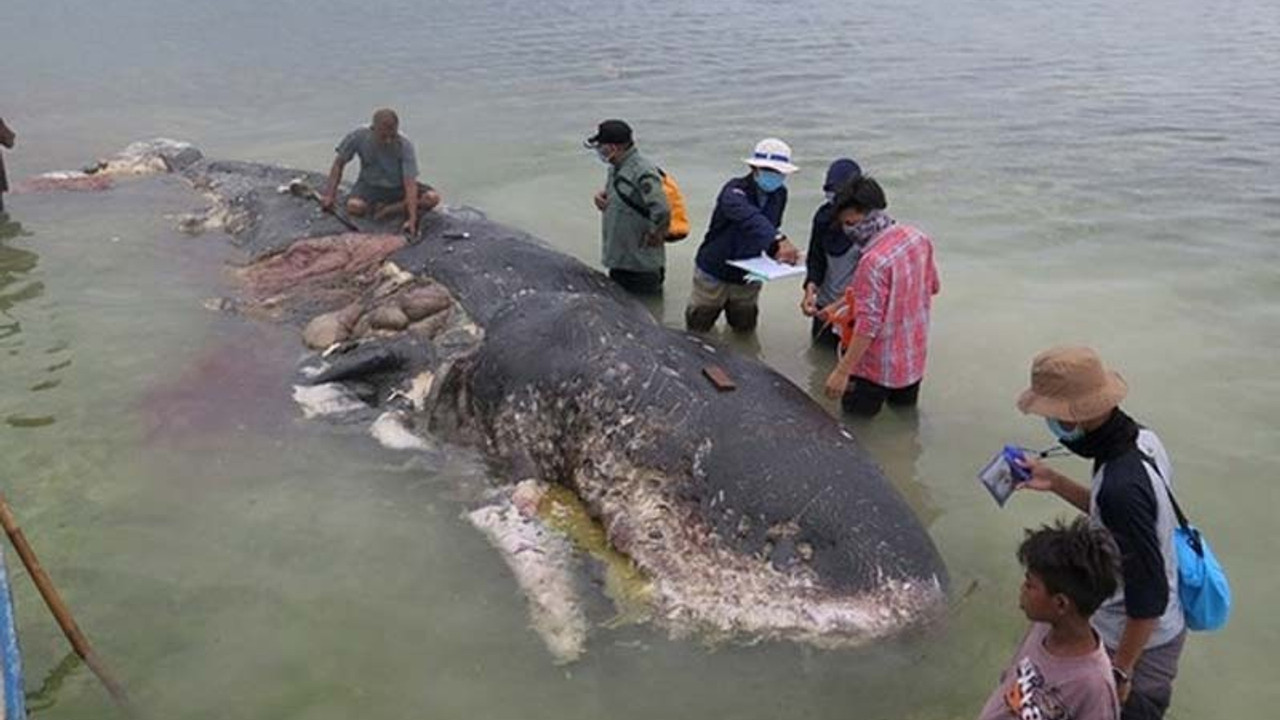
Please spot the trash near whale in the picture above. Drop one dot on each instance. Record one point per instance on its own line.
(744, 516)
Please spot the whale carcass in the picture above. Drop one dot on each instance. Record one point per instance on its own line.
(750, 514)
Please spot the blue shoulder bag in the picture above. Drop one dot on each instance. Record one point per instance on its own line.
(1203, 589)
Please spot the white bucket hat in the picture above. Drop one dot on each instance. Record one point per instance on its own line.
(772, 154)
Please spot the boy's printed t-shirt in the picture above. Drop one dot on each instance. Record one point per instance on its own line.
(1040, 686)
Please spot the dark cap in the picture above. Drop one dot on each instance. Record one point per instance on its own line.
(841, 172)
(611, 132)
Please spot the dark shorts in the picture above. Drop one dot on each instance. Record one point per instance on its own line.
(865, 398)
(1153, 678)
(638, 282)
(377, 196)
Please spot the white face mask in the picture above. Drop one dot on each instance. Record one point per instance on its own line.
(831, 195)
(603, 155)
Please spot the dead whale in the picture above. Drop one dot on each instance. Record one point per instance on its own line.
(746, 515)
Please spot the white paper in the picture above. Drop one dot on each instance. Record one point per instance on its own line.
(768, 268)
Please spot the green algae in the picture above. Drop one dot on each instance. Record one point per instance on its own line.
(625, 584)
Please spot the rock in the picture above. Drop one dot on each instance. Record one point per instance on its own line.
(362, 326)
(324, 331)
(392, 271)
(388, 317)
(431, 326)
(422, 302)
(329, 328)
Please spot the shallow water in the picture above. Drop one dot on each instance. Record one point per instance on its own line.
(1091, 172)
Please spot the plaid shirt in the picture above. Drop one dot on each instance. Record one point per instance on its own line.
(893, 290)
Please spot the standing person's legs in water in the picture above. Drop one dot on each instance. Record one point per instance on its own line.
(865, 398)
(823, 335)
(640, 283)
(7, 137)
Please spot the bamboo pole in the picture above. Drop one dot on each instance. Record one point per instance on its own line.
(61, 613)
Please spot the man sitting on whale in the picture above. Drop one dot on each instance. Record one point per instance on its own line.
(388, 181)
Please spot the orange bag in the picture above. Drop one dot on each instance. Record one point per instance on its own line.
(679, 228)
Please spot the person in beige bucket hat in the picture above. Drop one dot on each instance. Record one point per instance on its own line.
(1071, 384)
(1141, 626)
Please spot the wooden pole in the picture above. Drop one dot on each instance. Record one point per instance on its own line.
(59, 609)
(300, 188)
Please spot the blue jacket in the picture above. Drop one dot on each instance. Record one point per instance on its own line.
(740, 229)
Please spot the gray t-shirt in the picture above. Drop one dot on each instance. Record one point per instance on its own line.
(381, 166)
(839, 274)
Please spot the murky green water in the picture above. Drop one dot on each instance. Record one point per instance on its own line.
(1092, 172)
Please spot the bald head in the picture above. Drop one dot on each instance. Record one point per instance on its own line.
(386, 125)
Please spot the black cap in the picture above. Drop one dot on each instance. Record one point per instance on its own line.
(611, 132)
(841, 173)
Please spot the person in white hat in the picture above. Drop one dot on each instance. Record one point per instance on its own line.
(1141, 625)
(747, 222)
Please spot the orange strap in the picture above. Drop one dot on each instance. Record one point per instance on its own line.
(839, 316)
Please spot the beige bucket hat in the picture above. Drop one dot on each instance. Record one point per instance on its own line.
(1071, 383)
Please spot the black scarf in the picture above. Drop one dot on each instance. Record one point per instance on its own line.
(1115, 437)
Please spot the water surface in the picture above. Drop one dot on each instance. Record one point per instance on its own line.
(1092, 172)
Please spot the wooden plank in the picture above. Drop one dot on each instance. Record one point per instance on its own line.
(719, 378)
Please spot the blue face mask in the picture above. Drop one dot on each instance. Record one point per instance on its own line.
(769, 181)
(1063, 434)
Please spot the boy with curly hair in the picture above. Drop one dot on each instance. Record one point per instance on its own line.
(1061, 670)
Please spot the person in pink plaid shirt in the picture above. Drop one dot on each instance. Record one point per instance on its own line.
(893, 291)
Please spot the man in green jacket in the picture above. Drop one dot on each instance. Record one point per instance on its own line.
(635, 210)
